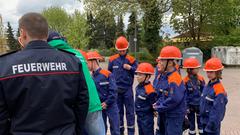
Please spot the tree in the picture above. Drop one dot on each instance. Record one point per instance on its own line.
(91, 31)
(226, 26)
(102, 29)
(11, 41)
(191, 16)
(152, 22)
(18, 35)
(132, 26)
(116, 7)
(57, 18)
(204, 16)
(224, 16)
(76, 31)
(120, 26)
(74, 27)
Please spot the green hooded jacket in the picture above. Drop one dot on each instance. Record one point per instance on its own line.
(94, 101)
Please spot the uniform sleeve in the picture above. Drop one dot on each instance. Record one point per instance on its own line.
(187, 93)
(112, 96)
(134, 67)
(110, 66)
(202, 85)
(217, 113)
(152, 97)
(82, 104)
(4, 115)
(175, 96)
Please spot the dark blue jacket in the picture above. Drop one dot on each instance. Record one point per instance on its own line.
(171, 94)
(106, 86)
(156, 75)
(124, 78)
(194, 87)
(213, 105)
(145, 98)
(42, 92)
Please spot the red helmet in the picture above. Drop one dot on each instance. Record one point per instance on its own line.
(213, 64)
(191, 63)
(84, 54)
(121, 44)
(145, 68)
(170, 52)
(94, 56)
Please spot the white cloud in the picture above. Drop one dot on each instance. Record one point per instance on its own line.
(12, 10)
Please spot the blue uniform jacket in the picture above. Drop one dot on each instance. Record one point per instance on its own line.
(194, 87)
(171, 94)
(145, 98)
(213, 105)
(106, 86)
(42, 92)
(124, 78)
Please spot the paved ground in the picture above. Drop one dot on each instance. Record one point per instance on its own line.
(231, 81)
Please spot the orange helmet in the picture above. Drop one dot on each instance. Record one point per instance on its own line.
(170, 52)
(84, 54)
(94, 56)
(121, 44)
(145, 68)
(191, 63)
(213, 64)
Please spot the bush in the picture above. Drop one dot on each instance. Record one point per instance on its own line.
(144, 56)
(107, 52)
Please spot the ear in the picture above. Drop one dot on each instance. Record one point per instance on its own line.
(20, 41)
(23, 34)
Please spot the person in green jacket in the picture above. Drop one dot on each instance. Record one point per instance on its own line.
(94, 124)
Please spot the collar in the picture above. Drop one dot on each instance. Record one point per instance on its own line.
(96, 72)
(123, 56)
(169, 73)
(144, 83)
(213, 83)
(37, 44)
(193, 77)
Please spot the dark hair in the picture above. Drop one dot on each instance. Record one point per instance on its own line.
(35, 25)
(219, 74)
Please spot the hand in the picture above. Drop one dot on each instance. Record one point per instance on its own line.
(127, 67)
(155, 113)
(154, 106)
(188, 111)
(104, 105)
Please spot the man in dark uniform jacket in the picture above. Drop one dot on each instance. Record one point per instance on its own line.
(42, 90)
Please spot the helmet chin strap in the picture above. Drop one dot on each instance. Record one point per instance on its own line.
(93, 68)
(165, 68)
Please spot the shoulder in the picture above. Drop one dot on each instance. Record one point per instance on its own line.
(200, 78)
(219, 89)
(149, 89)
(113, 57)
(104, 72)
(130, 58)
(8, 53)
(186, 79)
(67, 52)
(175, 77)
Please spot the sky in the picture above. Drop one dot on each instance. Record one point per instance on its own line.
(12, 10)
